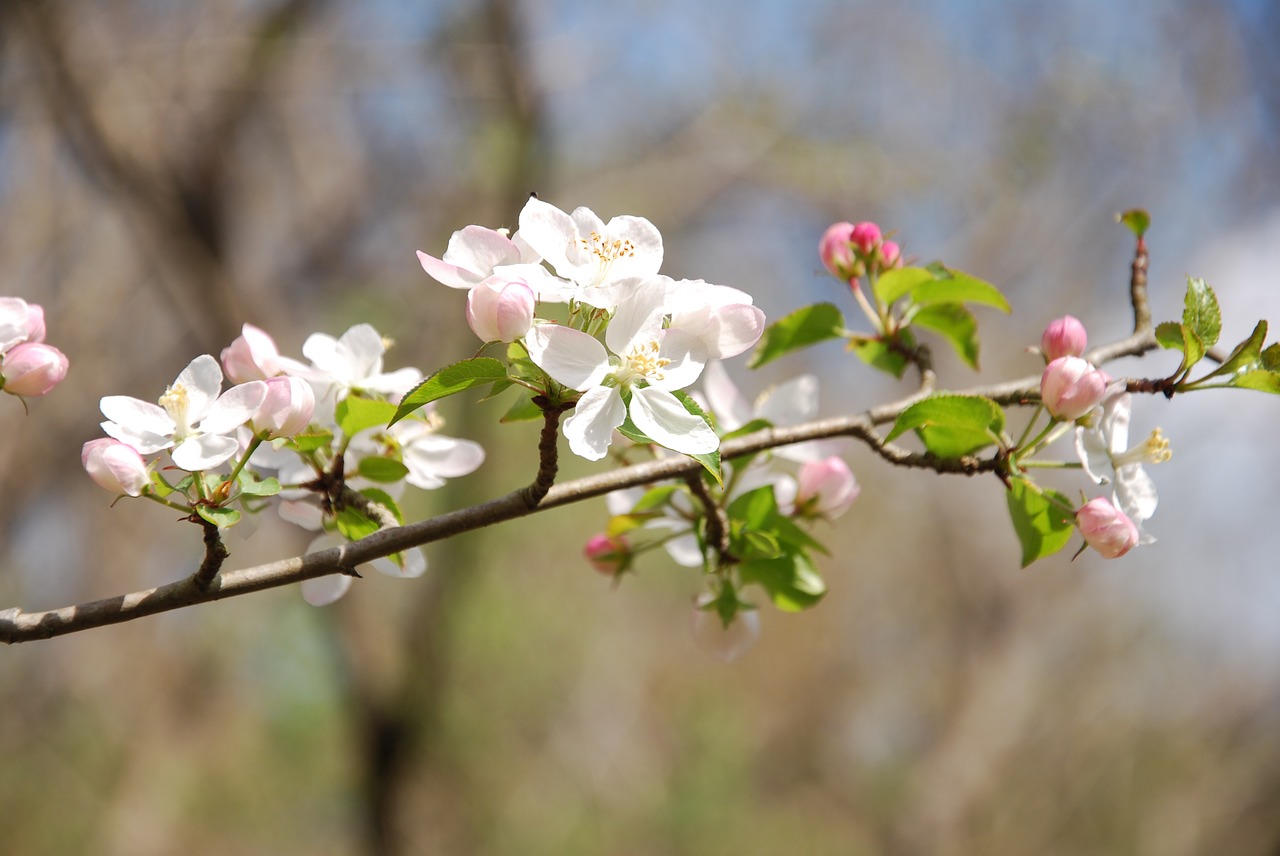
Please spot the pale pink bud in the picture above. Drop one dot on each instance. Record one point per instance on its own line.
(1070, 387)
(865, 236)
(32, 368)
(825, 488)
(1106, 528)
(608, 554)
(115, 466)
(890, 255)
(35, 322)
(252, 356)
(500, 310)
(287, 409)
(718, 642)
(1064, 337)
(836, 251)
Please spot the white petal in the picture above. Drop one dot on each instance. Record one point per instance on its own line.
(1091, 449)
(204, 452)
(432, 459)
(395, 383)
(1135, 493)
(361, 348)
(551, 233)
(595, 417)
(322, 591)
(234, 407)
(728, 404)
(732, 330)
(415, 564)
(638, 318)
(570, 356)
(138, 417)
(202, 379)
(662, 418)
(645, 255)
(790, 403)
(686, 356)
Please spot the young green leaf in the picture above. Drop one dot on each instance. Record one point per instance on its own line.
(791, 580)
(1247, 353)
(1043, 527)
(802, 328)
(220, 517)
(894, 283)
(450, 380)
(954, 323)
(385, 470)
(356, 413)
(1136, 219)
(1260, 379)
(1201, 313)
(1169, 335)
(955, 286)
(951, 426)
(879, 354)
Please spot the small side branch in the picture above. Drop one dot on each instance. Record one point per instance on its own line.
(548, 451)
(215, 553)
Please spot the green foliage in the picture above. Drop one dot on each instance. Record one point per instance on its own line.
(450, 380)
(1040, 518)
(954, 323)
(1136, 219)
(385, 470)
(886, 356)
(800, 329)
(774, 551)
(223, 518)
(951, 426)
(356, 413)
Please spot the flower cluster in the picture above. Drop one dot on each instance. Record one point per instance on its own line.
(591, 323)
(746, 530)
(311, 436)
(28, 366)
(1073, 390)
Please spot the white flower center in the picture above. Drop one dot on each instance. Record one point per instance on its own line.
(606, 252)
(642, 363)
(176, 403)
(1155, 450)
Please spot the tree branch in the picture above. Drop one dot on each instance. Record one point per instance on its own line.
(19, 626)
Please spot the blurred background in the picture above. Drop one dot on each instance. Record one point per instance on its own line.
(169, 171)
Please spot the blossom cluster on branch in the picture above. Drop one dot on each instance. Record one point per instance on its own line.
(581, 330)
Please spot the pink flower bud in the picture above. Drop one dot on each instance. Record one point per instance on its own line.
(501, 310)
(115, 466)
(1064, 337)
(610, 555)
(252, 356)
(287, 409)
(1106, 528)
(825, 488)
(35, 322)
(890, 255)
(32, 368)
(836, 252)
(865, 236)
(1070, 387)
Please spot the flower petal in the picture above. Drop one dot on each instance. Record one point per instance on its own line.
(638, 318)
(662, 418)
(597, 415)
(322, 591)
(570, 356)
(728, 404)
(234, 407)
(204, 452)
(686, 356)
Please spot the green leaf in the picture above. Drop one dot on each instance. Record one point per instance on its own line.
(802, 328)
(654, 499)
(356, 413)
(952, 425)
(220, 517)
(1269, 359)
(755, 509)
(384, 499)
(1043, 528)
(1247, 353)
(791, 580)
(1169, 335)
(249, 486)
(893, 284)
(1136, 219)
(353, 524)
(754, 546)
(878, 354)
(310, 441)
(385, 470)
(954, 323)
(1201, 312)
(1262, 380)
(450, 380)
(524, 410)
(954, 286)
